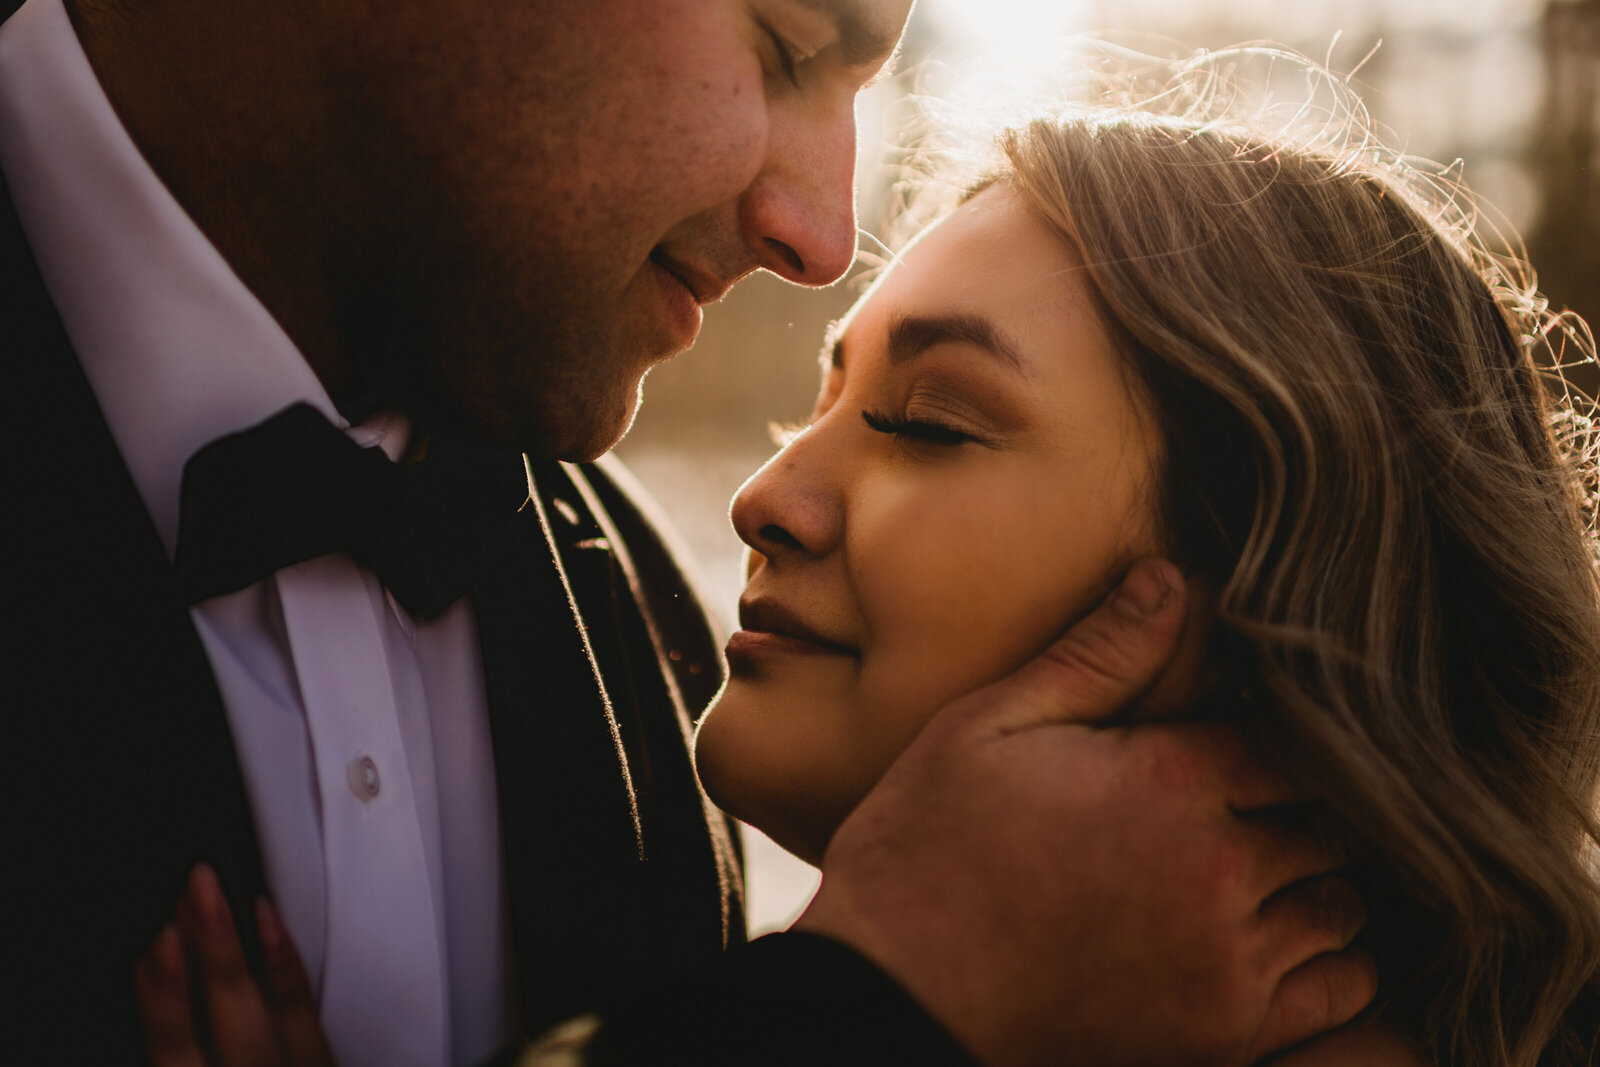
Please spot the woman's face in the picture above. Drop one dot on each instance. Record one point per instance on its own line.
(976, 475)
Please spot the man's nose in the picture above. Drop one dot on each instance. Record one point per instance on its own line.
(799, 215)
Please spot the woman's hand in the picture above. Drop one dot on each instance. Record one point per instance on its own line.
(195, 963)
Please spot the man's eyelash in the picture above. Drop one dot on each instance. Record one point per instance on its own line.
(787, 56)
(933, 433)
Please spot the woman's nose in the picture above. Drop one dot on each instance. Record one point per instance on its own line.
(788, 508)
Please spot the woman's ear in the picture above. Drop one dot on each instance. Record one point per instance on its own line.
(1196, 668)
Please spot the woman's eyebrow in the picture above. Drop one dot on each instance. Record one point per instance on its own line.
(912, 335)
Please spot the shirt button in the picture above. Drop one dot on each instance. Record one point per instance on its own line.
(364, 778)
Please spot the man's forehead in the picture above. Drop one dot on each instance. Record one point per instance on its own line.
(869, 30)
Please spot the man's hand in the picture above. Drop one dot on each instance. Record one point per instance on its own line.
(1364, 1043)
(1055, 892)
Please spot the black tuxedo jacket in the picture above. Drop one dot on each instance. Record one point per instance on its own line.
(119, 771)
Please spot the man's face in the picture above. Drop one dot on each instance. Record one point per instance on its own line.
(546, 192)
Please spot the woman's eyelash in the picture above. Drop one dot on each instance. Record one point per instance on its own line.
(934, 433)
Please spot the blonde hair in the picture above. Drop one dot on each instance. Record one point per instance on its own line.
(1370, 450)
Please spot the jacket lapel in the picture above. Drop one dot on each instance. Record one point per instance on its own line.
(569, 816)
(672, 664)
(620, 872)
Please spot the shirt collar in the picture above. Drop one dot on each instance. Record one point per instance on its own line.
(177, 350)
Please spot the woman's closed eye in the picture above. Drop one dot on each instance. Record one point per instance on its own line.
(921, 430)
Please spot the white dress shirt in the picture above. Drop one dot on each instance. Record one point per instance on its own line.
(362, 732)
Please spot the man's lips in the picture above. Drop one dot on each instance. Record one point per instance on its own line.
(768, 626)
(705, 288)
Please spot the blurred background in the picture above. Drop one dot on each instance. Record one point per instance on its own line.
(1508, 86)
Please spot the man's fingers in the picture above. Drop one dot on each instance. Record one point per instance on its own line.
(1310, 918)
(1105, 661)
(161, 986)
(1369, 1042)
(1287, 850)
(241, 1027)
(289, 991)
(1215, 759)
(1321, 994)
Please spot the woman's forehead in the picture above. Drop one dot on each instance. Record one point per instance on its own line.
(993, 256)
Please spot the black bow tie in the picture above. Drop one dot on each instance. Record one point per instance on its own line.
(295, 487)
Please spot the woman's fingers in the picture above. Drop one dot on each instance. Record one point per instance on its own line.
(289, 990)
(244, 1024)
(242, 1030)
(161, 987)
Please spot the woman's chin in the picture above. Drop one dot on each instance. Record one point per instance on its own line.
(796, 832)
(755, 793)
(767, 758)
(798, 828)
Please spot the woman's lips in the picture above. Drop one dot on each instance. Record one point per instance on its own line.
(745, 643)
(770, 629)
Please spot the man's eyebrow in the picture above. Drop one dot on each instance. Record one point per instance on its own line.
(862, 39)
(912, 335)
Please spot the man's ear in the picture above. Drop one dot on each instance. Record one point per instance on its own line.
(1196, 669)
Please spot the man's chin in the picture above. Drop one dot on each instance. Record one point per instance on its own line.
(584, 434)
(566, 419)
